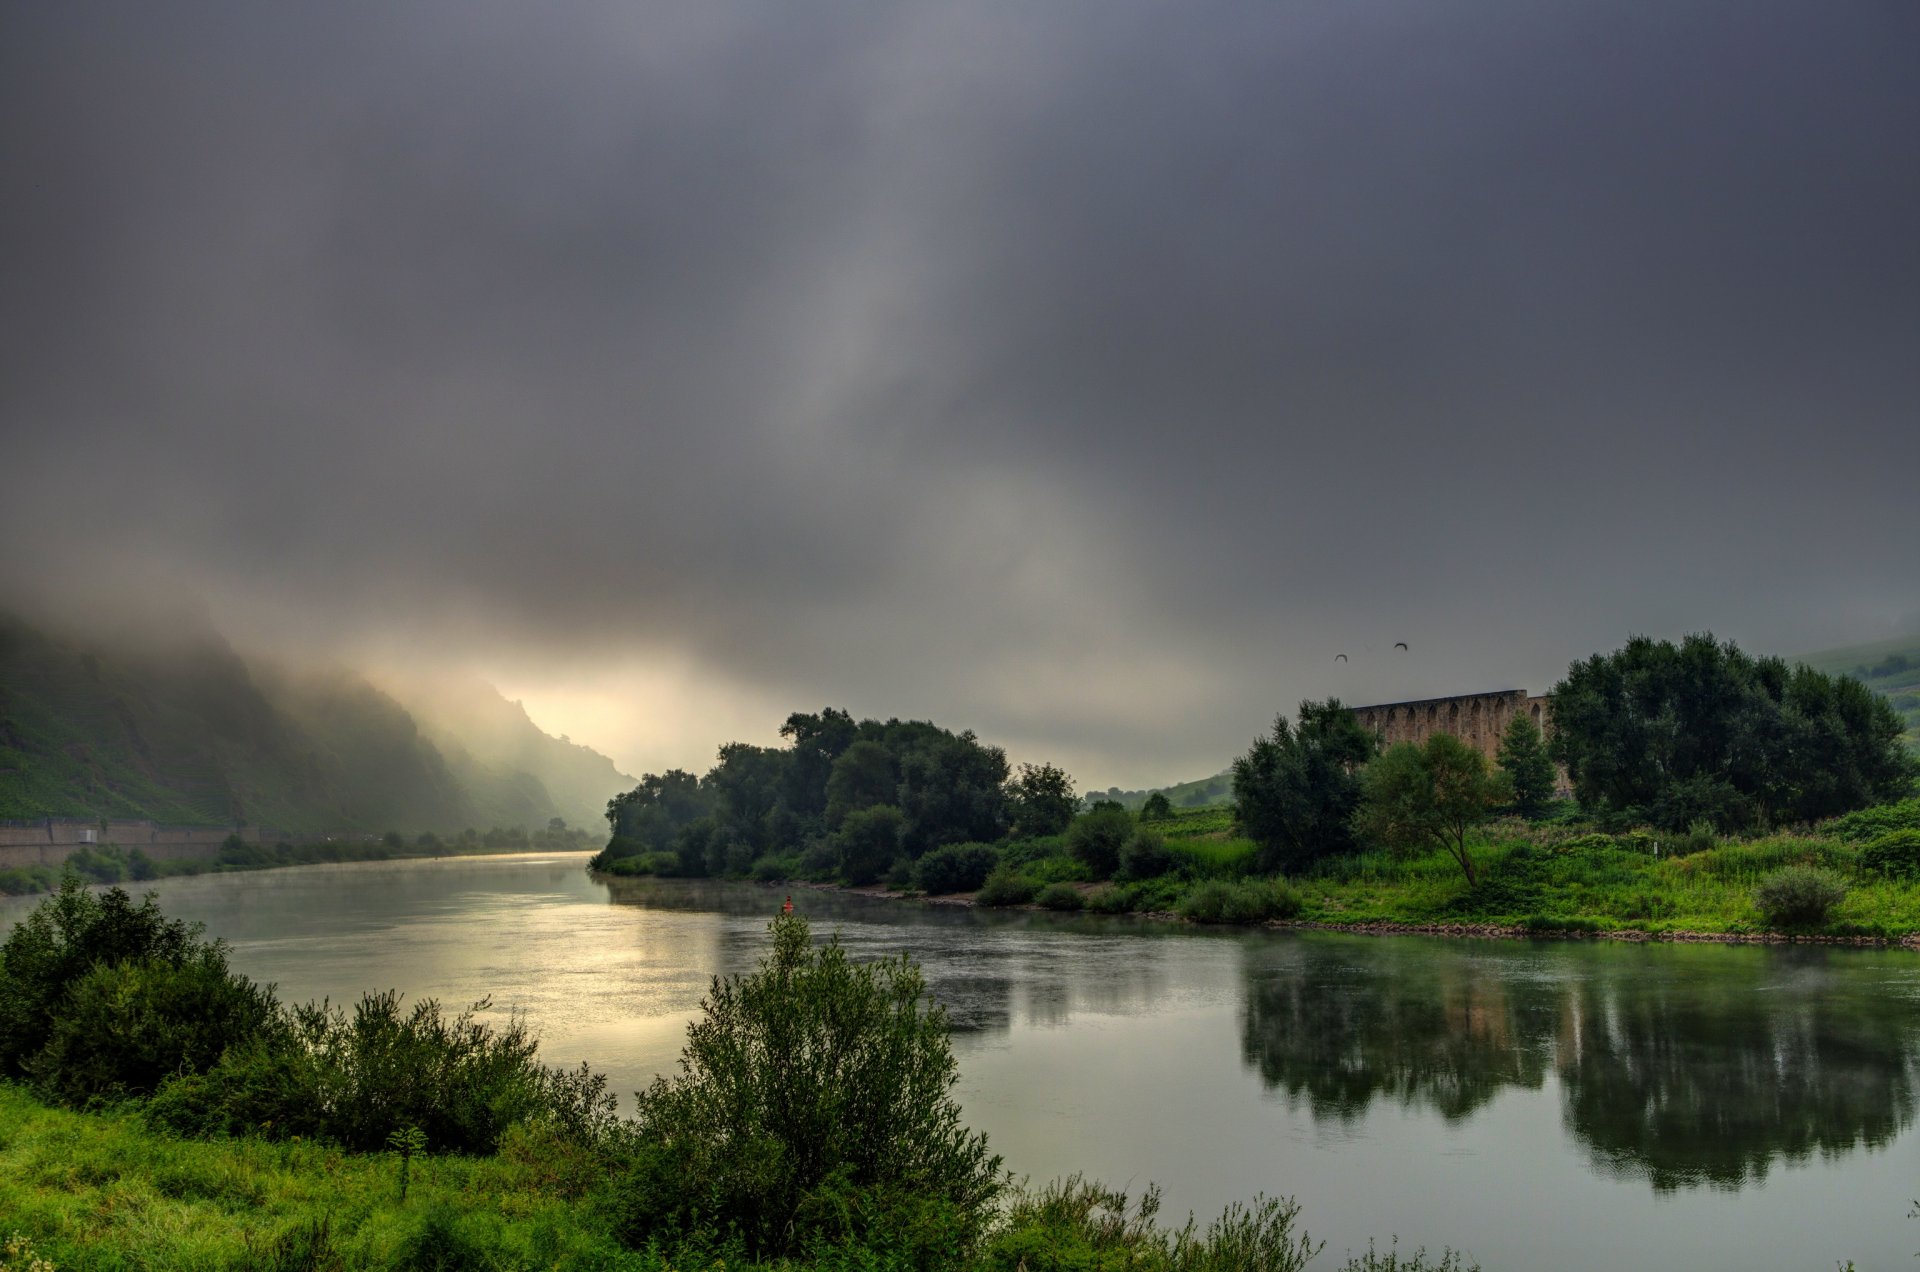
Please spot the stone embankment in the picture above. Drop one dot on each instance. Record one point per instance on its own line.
(49, 841)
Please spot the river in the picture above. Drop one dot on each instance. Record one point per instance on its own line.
(1539, 1105)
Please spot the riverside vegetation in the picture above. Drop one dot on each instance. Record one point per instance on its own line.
(1715, 793)
(158, 1110)
(110, 863)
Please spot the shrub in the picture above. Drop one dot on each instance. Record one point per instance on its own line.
(1145, 856)
(900, 875)
(664, 864)
(955, 868)
(1700, 837)
(1868, 823)
(1798, 897)
(812, 1107)
(1251, 901)
(65, 937)
(1112, 899)
(1075, 1224)
(124, 1028)
(1095, 839)
(1895, 854)
(1060, 896)
(1006, 886)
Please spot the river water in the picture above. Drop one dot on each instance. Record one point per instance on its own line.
(1539, 1105)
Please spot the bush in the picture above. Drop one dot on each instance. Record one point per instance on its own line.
(955, 868)
(1073, 1225)
(1112, 899)
(65, 937)
(1895, 854)
(1095, 839)
(1006, 886)
(776, 869)
(1251, 901)
(663, 864)
(1799, 897)
(1869, 823)
(1145, 856)
(354, 1080)
(124, 1028)
(1060, 896)
(813, 1107)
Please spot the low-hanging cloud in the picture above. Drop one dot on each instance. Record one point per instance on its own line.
(1091, 377)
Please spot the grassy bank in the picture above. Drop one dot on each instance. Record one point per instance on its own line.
(1547, 877)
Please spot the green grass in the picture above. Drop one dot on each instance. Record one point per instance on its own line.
(101, 1191)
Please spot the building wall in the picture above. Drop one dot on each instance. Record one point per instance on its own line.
(1478, 719)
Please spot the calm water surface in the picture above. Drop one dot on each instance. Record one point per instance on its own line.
(1558, 1105)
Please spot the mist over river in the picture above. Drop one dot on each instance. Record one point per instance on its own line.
(1538, 1105)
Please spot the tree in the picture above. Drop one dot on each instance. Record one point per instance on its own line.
(864, 775)
(1677, 733)
(868, 842)
(1157, 807)
(1430, 796)
(1042, 800)
(1523, 758)
(1297, 790)
(813, 1105)
(1096, 838)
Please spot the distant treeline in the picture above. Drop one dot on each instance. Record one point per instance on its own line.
(111, 863)
(844, 796)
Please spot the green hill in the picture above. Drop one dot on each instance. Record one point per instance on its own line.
(1889, 667)
(1199, 793)
(187, 731)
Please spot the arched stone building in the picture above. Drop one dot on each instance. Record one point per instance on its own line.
(1478, 719)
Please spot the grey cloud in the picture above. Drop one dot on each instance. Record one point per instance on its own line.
(1089, 375)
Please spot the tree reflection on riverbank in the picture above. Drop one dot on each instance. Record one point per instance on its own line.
(1702, 1069)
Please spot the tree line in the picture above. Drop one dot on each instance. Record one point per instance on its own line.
(1695, 736)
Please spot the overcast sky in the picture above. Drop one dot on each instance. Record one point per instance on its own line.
(1087, 374)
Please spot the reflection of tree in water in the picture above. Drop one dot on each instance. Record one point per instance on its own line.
(1696, 1066)
(1709, 1077)
(1337, 1025)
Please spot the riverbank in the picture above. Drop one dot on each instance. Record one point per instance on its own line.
(1532, 881)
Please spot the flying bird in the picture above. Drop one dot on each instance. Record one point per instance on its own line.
(1339, 658)
(1399, 644)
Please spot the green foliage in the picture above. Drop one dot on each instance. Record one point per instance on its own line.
(1391, 1260)
(1799, 897)
(955, 868)
(123, 1028)
(1096, 838)
(1249, 901)
(1297, 790)
(864, 775)
(1668, 734)
(1868, 823)
(1157, 807)
(1146, 856)
(1075, 1225)
(662, 864)
(813, 1104)
(1430, 796)
(1528, 768)
(1060, 896)
(405, 1145)
(63, 939)
(868, 841)
(1895, 854)
(1042, 800)
(352, 1079)
(1006, 886)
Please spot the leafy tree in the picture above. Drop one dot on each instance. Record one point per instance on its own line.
(1042, 800)
(864, 775)
(813, 1106)
(952, 789)
(1676, 733)
(1430, 796)
(1157, 807)
(1095, 839)
(817, 741)
(650, 817)
(1523, 758)
(745, 786)
(1297, 790)
(868, 842)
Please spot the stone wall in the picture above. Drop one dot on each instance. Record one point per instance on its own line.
(1478, 719)
(51, 840)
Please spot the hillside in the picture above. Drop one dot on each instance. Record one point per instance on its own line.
(187, 731)
(1889, 667)
(1198, 793)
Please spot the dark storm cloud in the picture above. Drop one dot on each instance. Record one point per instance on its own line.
(1088, 374)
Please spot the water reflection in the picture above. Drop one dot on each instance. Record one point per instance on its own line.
(1701, 1069)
